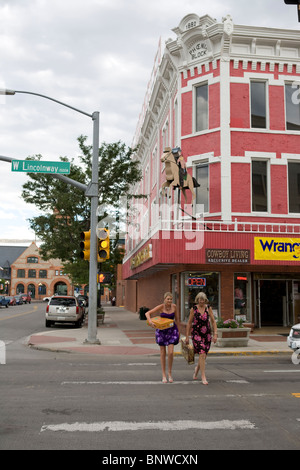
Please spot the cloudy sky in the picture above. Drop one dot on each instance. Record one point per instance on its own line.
(96, 55)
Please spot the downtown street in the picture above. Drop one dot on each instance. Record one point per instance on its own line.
(114, 404)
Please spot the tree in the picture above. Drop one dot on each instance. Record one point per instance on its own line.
(66, 210)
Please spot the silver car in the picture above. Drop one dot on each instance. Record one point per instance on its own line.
(64, 309)
(293, 339)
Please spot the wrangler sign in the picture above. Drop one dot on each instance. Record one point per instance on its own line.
(277, 249)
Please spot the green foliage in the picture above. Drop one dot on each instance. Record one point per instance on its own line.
(65, 210)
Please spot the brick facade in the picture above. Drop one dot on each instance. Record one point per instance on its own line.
(34, 270)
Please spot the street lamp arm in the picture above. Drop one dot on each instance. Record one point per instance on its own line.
(12, 92)
(67, 180)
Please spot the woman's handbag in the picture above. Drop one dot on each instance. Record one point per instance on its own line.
(187, 351)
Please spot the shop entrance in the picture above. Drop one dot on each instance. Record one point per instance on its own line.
(274, 306)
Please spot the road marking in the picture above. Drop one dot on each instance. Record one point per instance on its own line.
(237, 381)
(132, 382)
(180, 425)
(297, 395)
(283, 371)
(18, 315)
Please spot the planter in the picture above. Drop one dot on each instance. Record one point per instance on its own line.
(232, 337)
(100, 316)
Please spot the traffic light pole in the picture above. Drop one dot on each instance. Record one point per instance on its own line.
(91, 191)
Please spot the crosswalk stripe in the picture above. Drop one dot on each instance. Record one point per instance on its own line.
(180, 425)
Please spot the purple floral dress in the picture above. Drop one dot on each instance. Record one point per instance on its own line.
(201, 331)
(169, 335)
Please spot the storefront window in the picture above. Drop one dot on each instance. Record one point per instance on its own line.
(242, 296)
(194, 282)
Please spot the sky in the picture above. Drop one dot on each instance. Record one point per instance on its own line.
(95, 55)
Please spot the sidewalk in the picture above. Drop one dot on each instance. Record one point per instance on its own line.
(123, 333)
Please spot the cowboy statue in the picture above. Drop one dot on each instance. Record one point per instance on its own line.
(176, 172)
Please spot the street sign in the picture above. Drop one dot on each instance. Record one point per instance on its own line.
(34, 166)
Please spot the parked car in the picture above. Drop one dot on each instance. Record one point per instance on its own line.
(19, 300)
(84, 299)
(4, 302)
(26, 298)
(64, 309)
(293, 339)
(12, 300)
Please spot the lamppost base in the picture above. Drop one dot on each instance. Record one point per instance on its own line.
(92, 341)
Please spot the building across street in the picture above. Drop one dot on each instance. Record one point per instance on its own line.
(221, 118)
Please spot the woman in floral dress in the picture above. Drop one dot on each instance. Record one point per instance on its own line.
(200, 320)
(168, 337)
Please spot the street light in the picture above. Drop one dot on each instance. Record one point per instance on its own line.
(92, 192)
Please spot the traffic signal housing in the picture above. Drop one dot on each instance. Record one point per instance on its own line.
(103, 244)
(85, 245)
(294, 2)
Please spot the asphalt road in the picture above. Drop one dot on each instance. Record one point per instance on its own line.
(118, 404)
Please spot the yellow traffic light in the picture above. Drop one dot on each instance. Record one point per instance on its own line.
(103, 244)
(85, 245)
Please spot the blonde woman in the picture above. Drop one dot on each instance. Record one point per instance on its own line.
(168, 337)
(200, 321)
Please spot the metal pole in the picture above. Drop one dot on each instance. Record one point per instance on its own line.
(92, 319)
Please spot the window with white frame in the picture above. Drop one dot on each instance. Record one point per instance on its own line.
(292, 106)
(260, 182)
(165, 135)
(154, 167)
(294, 186)
(201, 97)
(258, 104)
(202, 192)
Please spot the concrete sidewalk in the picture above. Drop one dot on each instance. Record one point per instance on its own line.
(123, 333)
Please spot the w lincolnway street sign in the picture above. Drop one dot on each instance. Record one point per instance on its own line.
(31, 166)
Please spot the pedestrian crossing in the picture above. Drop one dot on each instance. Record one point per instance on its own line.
(121, 426)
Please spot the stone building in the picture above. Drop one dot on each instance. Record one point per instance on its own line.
(31, 274)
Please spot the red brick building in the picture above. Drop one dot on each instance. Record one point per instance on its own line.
(228, 96)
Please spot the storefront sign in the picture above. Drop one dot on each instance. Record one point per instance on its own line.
(277, 249)
(196, 281)
(142, 256)
(221, 256)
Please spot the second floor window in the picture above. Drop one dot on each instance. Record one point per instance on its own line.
(202, 193)
(259, 186)
(31, 273)
(294, 187)
(292, 107)
(201, 107)
(21, 273)
(258, 105)
(32, 259)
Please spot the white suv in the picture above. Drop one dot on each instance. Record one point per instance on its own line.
(64, 309)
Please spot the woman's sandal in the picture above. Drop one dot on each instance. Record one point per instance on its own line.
(164, 380)
(171, 379)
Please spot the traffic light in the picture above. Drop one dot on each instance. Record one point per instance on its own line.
(294, 2)
(103, 244)
(85, 245)
(104, 278)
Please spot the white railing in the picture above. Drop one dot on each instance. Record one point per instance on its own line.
(188, 225)
(236, 226)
